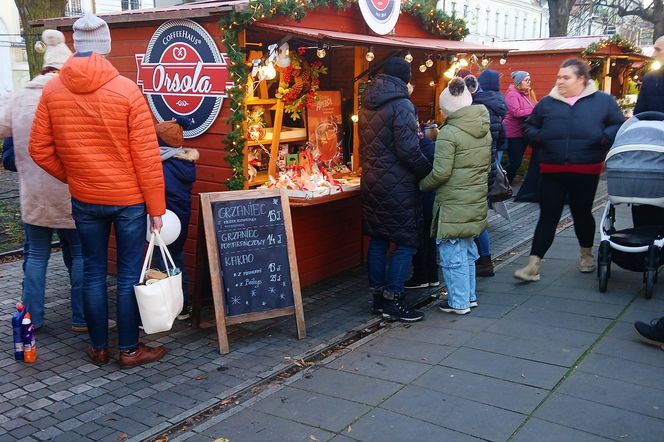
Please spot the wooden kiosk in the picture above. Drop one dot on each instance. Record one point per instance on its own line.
(327, 229)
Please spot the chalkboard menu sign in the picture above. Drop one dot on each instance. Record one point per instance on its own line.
(251, 255)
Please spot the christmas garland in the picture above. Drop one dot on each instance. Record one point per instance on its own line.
(305, 78)
(615, 39)
(232, 23)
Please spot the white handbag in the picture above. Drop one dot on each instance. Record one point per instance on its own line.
(160, 301)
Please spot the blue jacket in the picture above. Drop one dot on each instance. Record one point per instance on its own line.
(179, 177)
(428, 148)
(8, 154)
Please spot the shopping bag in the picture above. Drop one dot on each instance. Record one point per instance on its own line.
(500, 189)
(159, 300)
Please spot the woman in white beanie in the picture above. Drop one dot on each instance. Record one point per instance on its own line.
(459, 176)
(45, 201)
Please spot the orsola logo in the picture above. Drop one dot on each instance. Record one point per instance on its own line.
(183, 73)
(380, 15)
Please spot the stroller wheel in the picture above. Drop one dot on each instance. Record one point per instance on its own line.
(651, 278)
(603, 273)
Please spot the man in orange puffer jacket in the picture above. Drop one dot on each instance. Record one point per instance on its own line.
(93, 131)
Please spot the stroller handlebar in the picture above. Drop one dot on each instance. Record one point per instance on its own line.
(650, 116)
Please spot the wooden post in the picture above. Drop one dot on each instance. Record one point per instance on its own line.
(357, 70)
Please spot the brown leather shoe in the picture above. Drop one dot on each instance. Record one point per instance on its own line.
(142, 355)
(98, 356)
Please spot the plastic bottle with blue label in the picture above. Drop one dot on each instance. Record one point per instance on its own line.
(29, 348)
(17, 320)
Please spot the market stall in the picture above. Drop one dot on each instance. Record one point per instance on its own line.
(275, 90)
(616, 64)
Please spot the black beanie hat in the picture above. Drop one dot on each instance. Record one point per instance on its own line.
(398, 67)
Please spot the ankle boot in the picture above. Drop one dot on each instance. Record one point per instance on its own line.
(587, 261)
(395, 309)
(484, 266)
(531, 272)
(377, 294)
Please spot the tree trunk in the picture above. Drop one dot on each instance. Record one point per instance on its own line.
(658, 21)
(30, 10)
(559, 17)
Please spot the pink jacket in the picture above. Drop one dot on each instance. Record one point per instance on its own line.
(519, 107)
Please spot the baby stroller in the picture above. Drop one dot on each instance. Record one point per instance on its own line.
(635, 175)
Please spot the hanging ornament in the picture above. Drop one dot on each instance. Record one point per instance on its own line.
(40, 47)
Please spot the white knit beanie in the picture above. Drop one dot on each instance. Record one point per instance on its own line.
(91, 34)
(56, 52)
(455, 96)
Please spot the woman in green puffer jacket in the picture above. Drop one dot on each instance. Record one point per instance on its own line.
(459, 176)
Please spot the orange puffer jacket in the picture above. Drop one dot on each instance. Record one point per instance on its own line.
(93, 130)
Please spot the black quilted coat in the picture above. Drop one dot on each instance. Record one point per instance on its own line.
(392, 163)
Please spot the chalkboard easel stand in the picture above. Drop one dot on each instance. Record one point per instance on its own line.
(216, 280)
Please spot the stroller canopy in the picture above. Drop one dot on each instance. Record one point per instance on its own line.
(635, 163)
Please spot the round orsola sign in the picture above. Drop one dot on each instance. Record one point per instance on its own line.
(182, 73)
(380, 15)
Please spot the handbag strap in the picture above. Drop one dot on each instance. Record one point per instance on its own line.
(148, 255)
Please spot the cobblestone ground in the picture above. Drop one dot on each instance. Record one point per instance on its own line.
(64, 397)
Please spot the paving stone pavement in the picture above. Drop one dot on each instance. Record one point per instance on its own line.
(377, 391)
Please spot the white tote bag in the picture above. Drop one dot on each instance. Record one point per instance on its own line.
(159, 302)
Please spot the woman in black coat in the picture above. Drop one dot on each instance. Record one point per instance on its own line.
(392, 165)
(574, 126)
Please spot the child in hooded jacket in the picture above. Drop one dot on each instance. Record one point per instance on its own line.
(179, 176)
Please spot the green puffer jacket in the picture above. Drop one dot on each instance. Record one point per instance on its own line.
(459, 176)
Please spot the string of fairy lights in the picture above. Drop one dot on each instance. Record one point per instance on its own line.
(433, 20)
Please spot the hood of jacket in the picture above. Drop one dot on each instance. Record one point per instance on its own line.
(83, 73)
(590, 89)
(492, 100)
(40, 81)
(385, 88)
(474, 120)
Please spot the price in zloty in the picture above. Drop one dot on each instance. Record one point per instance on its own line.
(253, 255)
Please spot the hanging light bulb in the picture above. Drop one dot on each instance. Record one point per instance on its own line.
(321, 52)
(429, 62)
(503, 60)
(370, 55)
(449, 74)
(655, 65)
(485, 62)
(636, 77)
(270, 72)
(463, 62)
(432, 83)
(354, 118)
(408, 57)
(423, 67)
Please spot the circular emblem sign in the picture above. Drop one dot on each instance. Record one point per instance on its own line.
(380, 15)
(183, 74)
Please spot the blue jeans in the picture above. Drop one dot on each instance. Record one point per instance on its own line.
(457, 258)
(37, 251)
(393, 278)
(93, 222)
(483, 243)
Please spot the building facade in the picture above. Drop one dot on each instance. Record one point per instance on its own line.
(14, 67)
(495, 20)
